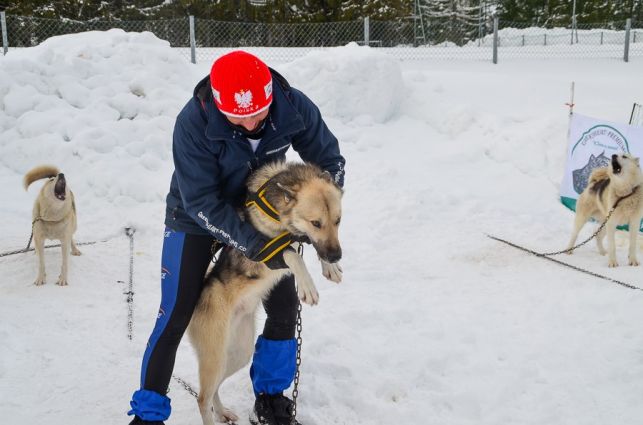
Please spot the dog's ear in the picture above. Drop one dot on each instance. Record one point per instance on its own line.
(289, 193)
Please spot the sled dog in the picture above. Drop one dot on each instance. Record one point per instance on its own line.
(54, 217)
(222, 328)
(618, 184)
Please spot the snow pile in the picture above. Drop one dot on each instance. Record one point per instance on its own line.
(99, 105)
(350, 82)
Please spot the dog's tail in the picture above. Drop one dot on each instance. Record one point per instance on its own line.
(598, 174)
(40, 172)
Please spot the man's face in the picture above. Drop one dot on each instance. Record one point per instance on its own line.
(250, 123)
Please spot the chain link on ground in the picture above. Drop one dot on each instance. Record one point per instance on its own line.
(562, 263)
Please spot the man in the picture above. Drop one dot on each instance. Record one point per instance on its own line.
(240, 117)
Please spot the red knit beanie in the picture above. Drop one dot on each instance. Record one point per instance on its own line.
(241, 84)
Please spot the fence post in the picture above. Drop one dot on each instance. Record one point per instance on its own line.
(367, 31)
(192, 41)
(3, 24)
(626, 55)
(495, 39)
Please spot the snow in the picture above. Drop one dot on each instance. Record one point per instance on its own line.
(433, 323)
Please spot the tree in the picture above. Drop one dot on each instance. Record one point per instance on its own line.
(457, 21)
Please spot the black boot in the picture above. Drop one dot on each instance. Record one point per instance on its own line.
(273, 409)
(139, 421)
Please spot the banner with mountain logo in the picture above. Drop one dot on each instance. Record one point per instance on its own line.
(591, 144)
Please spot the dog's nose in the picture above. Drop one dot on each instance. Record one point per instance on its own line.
(335, 257)
(614, 156)
(61, 176)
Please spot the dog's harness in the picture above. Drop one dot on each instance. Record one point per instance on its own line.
(258, 199)
(279, 242)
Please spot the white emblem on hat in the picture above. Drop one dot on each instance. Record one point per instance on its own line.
(243, 99)
(216, 95)
(268, 89)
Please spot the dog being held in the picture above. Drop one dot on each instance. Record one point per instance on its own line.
(618, 184)
(222, 328)
(54, 217)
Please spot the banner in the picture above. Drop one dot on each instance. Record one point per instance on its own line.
(591, 144)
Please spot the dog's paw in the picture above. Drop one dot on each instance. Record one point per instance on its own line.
(61, 281)
(569, 252)
(634, 261)
(310, 297)
(40, 280)
(226, 416)
(332, 271)
(612, 263)
(76, 251)
(307, 292)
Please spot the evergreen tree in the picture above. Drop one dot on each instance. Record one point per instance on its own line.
(451, 15)
(457, 21)
(531, 12)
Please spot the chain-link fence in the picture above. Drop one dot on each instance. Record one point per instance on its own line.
(29, 31)
(404, 38)
(608, 40)
(285, 41)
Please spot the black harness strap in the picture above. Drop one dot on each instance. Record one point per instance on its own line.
(259, 200)
(275, 246)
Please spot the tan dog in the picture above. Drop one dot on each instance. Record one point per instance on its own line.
(620, 182)
(222, 329)
(54, 217)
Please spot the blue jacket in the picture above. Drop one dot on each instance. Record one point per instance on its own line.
(212, 161)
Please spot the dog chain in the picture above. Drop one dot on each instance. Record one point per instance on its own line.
(546, 255)
(565, 251)
(571, 266)
(129, 231)
(28, 249)
(187, 387)
(295, 390)
(22, 251)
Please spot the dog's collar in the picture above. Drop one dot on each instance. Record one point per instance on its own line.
(626, 196)
(258, 199)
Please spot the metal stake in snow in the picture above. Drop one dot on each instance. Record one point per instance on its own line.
(129, 231)
(571, 100)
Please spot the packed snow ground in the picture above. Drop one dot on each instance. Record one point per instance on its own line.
(433, 323)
